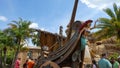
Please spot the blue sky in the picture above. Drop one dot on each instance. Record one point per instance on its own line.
(48, 15)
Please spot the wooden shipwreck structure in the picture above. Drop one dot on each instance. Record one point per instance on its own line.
(62, 56)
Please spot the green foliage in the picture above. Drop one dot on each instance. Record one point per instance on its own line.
(24, 49)
(19, 32)
(109, 12)
(36, 39)
(108, 25)
(10, 55)
(15, 37)
(114, 55)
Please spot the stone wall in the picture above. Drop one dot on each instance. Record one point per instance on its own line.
(24, 55)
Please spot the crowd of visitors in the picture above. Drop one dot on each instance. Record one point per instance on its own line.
(29, 63)
(105, 63)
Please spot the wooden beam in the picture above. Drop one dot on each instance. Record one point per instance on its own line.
(72, 19)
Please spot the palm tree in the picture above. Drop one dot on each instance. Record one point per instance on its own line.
(36, 37)
(20, 33)
(110, 26)
(1, 43)
(5, 41)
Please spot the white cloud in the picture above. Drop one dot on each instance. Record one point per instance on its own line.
(43, 29)
(34, 25)
(3, 18)
(100, 4)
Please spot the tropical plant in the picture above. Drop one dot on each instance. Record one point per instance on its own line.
(36, 38)
(114, 55)
(110, 26)
(5, 42)
(20, 33)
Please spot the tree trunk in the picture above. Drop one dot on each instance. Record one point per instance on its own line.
(5, 50)
(15, 57)
(17, 51)
(1, 58)
(5, 60)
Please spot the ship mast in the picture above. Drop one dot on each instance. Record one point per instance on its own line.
(72, 19)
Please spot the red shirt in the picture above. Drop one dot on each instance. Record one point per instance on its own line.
(30, 64)
(17, 64)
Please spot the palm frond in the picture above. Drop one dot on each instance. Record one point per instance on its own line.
(109, 12)
(115, 8)
(110, 27)
(118, 15)
(104, 20)
(12, 25)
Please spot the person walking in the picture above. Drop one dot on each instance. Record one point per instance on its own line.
(103, 62)
(94, 64)
(25, 64)
(30, 63)
(115, 64)
(17, 63)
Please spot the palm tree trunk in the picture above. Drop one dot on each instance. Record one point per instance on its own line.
(15, 57)
(16, 54)
(5, 50)
(0, 58)
(5, 60)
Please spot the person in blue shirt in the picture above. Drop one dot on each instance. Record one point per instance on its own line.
(103, 62)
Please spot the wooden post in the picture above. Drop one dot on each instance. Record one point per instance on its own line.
(82, 58)
(61, 35)
(72, 19)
